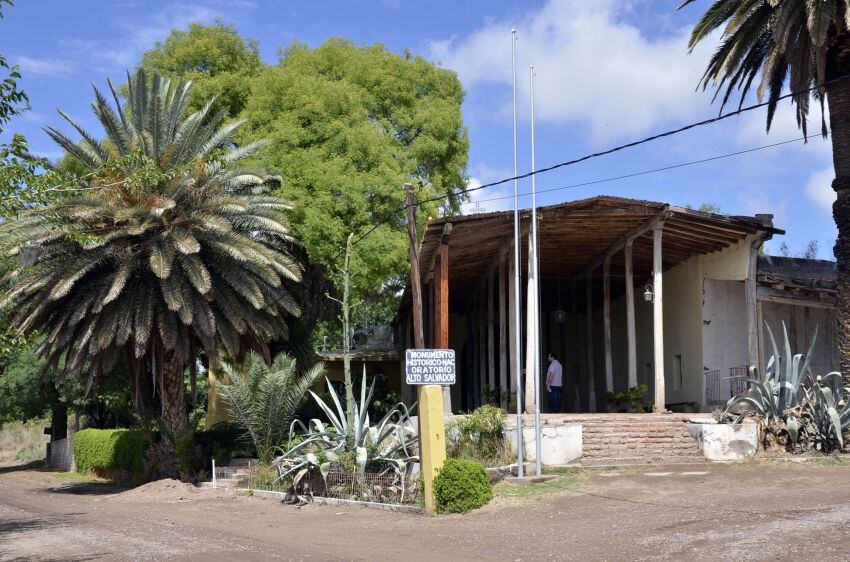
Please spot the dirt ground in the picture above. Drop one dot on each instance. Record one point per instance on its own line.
(758, 511)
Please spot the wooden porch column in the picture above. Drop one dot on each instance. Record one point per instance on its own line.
(472, 350)
(752, 312)
(658, 318)
(482, 340)
(591, 384)
(503, 330)
(491, 329)
(512, 325)
(531, 345)
(441, 310)
(606, 314)
(574, 354)
(630, 317)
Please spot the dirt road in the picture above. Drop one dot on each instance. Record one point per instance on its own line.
(705, 512)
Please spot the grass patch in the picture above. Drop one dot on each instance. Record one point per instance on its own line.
(567, 479)
(23, 441)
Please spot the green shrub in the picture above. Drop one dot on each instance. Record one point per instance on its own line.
(110, 448)
(479, 436)
(461, 486)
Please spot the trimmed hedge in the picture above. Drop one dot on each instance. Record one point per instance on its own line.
(461, 486)
(110, 449)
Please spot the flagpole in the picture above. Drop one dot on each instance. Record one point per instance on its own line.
(535, 256)
(517, 308)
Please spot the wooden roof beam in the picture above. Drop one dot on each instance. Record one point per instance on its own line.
(639, 230)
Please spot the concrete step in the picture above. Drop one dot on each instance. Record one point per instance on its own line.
(641, 460)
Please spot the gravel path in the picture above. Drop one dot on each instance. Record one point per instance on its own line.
(706, 512)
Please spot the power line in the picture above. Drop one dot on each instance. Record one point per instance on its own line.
(647, 172)
(612, 150)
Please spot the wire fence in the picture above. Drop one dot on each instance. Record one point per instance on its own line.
(387, 487)
(377, 487)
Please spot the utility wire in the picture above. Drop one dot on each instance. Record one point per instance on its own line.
(612, 150)
(646, 172)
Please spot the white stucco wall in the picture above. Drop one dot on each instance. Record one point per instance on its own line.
(730, 264)
(683, 331)
(724, 325)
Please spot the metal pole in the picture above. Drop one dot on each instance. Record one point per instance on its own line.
(517, 308)
(533, 254)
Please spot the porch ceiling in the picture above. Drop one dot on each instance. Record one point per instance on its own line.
(575, 234)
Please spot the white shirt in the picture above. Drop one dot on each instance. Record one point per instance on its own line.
(557, 372)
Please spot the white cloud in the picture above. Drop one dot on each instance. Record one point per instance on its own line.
(141, 36)
(756, 200)
(33, 117)
(593, 67)
(497, 198)
(43, 66)
(819, 189)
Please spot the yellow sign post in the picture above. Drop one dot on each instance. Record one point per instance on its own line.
(430, 369)
(432, 440)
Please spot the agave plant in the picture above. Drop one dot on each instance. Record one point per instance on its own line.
(772, 396)
(825, 413)
(814, 411)
(386, 446)
(263, 399)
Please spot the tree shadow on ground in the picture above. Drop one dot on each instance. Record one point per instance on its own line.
(13, 526)
(32, 465)
(5, 555)
(87, 489)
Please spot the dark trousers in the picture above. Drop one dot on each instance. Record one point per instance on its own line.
(556, 395)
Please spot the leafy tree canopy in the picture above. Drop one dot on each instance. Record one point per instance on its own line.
(215, 57)
(19, 183)
(348, 126)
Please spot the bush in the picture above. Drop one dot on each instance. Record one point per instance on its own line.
(479, 436)
(110, 449)
(224, 441)
(461, 486)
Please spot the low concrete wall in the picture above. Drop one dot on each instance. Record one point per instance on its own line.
(559, 444)
(726, 442)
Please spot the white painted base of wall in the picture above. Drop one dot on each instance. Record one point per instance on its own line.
(559, 444)
(726, 442)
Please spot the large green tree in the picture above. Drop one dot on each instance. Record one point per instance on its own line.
(802, 44)
(170, 249)
(215, 58)
(349, 125)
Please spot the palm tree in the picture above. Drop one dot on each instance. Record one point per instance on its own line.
(806, 44)
(169, 250)
(264, 401)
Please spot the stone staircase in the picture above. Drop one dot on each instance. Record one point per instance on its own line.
(637, 439)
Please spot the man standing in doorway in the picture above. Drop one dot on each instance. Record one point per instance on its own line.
(554, 384)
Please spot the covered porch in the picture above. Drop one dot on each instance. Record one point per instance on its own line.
(597, 259)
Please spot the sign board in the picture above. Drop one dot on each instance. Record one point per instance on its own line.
(430, 366)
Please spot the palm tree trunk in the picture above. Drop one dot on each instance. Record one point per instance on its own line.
(838, 98)
(174, 418)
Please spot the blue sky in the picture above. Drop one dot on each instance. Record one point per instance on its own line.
(608, 71)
